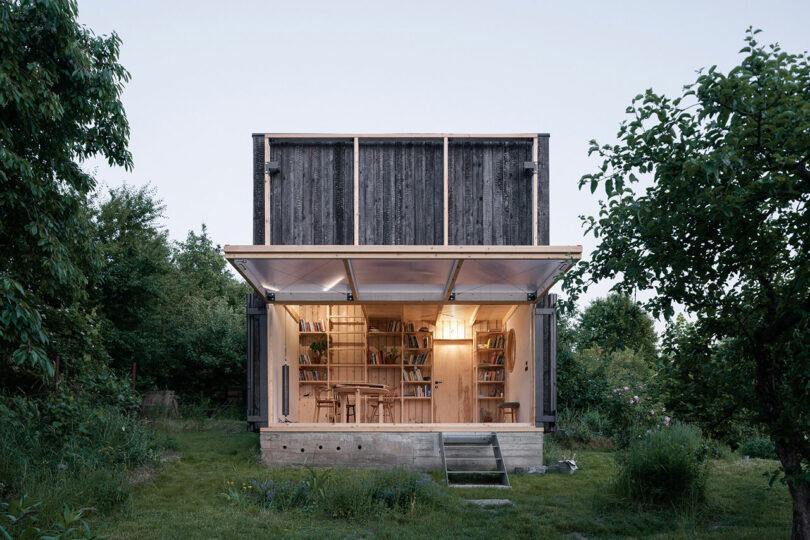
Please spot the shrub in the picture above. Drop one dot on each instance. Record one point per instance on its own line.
(667, 466)
(630, 415)
(759, 448)
(589, 428)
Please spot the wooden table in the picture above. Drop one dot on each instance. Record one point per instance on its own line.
(358, 389)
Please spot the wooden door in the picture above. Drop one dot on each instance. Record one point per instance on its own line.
(452, 382)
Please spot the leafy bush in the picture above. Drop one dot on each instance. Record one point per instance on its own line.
(19, 518)
(667, 466)
(759, 448)
(630, 415)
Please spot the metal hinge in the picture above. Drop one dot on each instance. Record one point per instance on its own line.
(271, 296)
(531, 297)
(452, 296)
(532, 166)
(350, 297)
(271, 167)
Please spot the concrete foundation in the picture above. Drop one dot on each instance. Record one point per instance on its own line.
(378, 449)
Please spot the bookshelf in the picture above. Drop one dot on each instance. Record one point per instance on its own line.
(490, 371)
(392, 352)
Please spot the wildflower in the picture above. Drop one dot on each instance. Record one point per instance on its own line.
(631, 401)
(666, 420)
(635, 397)
(123, 428)
(627, 388)
(652, 411)
(663, 409)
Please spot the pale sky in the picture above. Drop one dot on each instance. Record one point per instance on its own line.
(206, 75)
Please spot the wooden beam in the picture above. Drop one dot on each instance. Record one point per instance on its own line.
(398, 135)
(270, 369)
(451, 281)
(347, 264)
(445, 175)
(534, 189)
(292, 312)
(562, 253)
(356, 192)
(508, 314)
(474, 314)
(266, 192)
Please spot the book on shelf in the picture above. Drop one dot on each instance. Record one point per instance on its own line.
(496, 359)
(409, 327)
(495, 342)
(304, 359)
(415, 343)
(314, 326)
(417, 359)
(492, 375)
(311, 375)
(395, 326)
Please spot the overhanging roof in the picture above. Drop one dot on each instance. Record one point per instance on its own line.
(405, 274)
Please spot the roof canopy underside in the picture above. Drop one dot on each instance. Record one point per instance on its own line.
(401, 274)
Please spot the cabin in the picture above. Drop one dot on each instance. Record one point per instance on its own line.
(401, 313)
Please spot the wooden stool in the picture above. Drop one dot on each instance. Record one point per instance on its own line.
(325, 400)
(510, 408)
(385, 401)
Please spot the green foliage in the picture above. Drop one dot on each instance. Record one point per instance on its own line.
(759, 448)
(579, 386)
(588, 428)
(355, 496)
(172, 308)
(617, 323)
(701, 382)
(19, 519)
(60, 103)
(71, 448)
(719, 226)
(667, 466)
(631, 415)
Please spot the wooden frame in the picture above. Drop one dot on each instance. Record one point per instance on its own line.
(562, 253)
(398, 135)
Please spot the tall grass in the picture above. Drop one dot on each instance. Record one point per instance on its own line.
(668, 466)
(81, 459)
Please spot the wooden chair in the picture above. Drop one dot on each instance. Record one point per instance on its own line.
(325, 399)
(385, 401)
(508, 408)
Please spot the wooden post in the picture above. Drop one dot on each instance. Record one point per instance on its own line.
(545, 363)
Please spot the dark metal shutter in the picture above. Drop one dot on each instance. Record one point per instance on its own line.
(256, 362)
(545, 363)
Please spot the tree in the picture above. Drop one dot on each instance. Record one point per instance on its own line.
(722, 229)
(617, 323)
(59, 104)
(700, 382)
(130, 288)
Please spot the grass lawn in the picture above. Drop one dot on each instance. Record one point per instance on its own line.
(183, 500)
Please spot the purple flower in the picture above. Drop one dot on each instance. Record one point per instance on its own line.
(627, 388)
(666, 420)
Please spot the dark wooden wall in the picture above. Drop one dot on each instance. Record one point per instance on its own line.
(311, 196)
(490, 192)
(400, 199)
(401, 193)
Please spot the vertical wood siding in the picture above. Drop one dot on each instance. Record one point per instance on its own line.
(258, 189)
(401, 192)
(401, 187)
(311, 199)
(490, 193)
